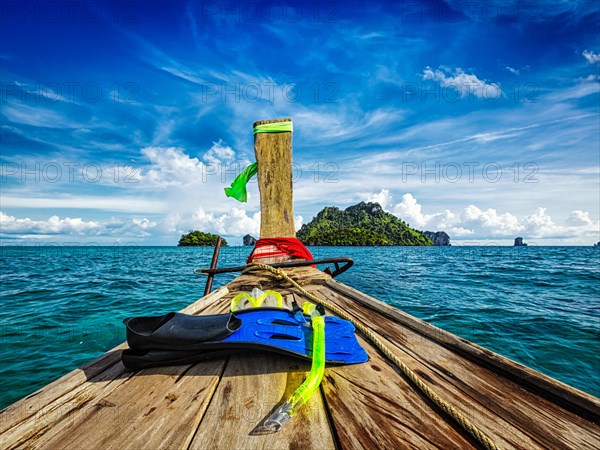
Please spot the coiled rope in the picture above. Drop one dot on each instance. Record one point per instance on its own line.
(467, 425)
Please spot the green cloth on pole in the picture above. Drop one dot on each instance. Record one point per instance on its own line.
(238, 187)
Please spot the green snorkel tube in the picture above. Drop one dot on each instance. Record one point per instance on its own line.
(305, 391)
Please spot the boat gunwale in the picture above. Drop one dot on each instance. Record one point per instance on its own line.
(572, 399)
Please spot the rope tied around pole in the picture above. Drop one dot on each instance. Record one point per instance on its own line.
(465, 423)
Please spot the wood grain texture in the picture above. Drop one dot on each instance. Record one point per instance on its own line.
(372, 406)
(514, 417)
(156, 408)
(579, 402)
(274, 157)
(252, 387)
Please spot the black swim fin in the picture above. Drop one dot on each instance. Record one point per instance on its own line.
(177, 338)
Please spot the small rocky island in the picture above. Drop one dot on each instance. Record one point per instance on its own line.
(199, 239)
(439, 238)
(249, 240)
(361, 224)
(519, 242)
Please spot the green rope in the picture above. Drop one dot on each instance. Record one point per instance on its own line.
(275, 127)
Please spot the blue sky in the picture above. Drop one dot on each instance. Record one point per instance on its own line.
(124, 121)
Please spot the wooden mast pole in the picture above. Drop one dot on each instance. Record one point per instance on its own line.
(274, 157)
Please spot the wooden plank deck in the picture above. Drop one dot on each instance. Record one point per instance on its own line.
(220, 403)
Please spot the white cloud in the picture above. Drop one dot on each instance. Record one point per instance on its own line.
(55, 226)
(464, 83)
(512, 70)
(235, 222)
(579, 218)
(591, 57)
(171, 166)
(185, 180)
(384, 198)
(193, 186)
(540, 225)
(219, 154)
(410, 211)
(489, 223)
(143, 223)
(186, 187)
(459, 232)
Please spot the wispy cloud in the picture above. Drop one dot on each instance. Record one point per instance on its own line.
(465, 84)
(591, 57)
(100, 203)
(36, 116)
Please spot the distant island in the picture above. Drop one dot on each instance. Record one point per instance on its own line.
(199, 239)
(249, 240)
(361, 224)
(439, 238)
(519, 242)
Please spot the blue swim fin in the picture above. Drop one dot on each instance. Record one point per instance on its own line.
(177, 338)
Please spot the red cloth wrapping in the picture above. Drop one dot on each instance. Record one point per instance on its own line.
(289, 246)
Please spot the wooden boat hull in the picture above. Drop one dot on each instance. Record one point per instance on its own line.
(220, 403)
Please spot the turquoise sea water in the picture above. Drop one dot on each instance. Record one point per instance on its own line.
(62, 306)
